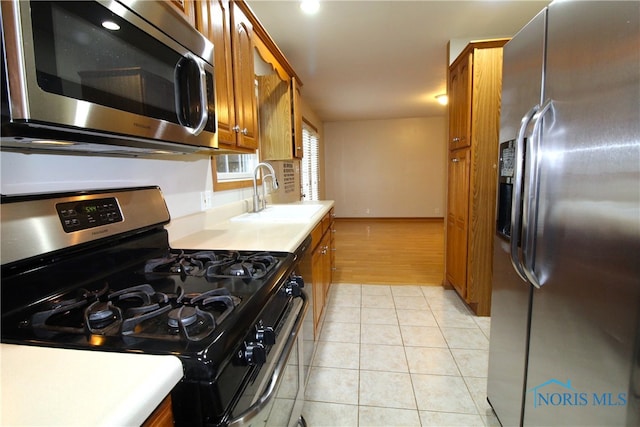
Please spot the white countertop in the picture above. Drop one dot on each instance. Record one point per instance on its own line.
(57, 387)
(213, 230)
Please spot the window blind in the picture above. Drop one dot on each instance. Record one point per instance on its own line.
(310, 163)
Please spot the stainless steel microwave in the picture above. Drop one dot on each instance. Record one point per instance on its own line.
(120, 76)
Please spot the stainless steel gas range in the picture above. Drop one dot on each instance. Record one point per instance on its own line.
(94, 270)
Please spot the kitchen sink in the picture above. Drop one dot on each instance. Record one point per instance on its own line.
(281, 213)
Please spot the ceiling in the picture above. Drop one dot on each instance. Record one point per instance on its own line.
(366, 59)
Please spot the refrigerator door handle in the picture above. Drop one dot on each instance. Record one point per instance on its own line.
(531, 196)
(516, 206)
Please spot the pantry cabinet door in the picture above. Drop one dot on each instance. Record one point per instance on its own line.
(457, 220)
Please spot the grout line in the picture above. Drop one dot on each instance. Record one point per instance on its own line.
(330, 306)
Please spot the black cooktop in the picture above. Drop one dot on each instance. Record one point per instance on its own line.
(138, 294)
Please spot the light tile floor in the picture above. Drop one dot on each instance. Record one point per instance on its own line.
(399, 356)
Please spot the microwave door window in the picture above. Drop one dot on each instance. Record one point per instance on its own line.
(85, 51)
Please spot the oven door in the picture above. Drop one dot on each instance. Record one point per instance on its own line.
(280, 384)
(99, 69)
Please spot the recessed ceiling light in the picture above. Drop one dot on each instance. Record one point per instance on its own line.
(310, 6)
(110, 25)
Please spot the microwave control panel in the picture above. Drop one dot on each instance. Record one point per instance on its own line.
(85, 214)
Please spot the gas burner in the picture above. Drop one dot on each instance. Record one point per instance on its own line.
(138, 299)
(253, 266)
(101, 314)
(185, 316)
(241, 269)
(65, 314)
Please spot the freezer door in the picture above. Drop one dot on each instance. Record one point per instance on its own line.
(521, 91)
(584, 321)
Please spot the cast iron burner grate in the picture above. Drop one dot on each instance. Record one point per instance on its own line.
(135, 312)
(211, 264)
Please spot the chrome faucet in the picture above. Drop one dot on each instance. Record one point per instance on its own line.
(258, 203)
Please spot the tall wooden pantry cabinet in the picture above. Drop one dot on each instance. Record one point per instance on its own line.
(474, 86)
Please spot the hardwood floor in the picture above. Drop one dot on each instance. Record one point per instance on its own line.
(389, 251)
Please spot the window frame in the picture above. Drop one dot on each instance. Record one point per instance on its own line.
(244, 179)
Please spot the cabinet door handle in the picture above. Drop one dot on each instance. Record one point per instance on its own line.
(455, 160)
(236, 129)
(245, 131)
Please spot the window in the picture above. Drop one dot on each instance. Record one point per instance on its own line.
(232, 171)
(234, 167)
(310, 163)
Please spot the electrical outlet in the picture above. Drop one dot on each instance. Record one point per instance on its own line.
(206, 200)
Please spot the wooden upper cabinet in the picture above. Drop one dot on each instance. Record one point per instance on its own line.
(237, 36)
(279, 113)
(297, 119)
(275, 105)
(228, 28)
(187, 8)
(214, 21)
(460, 102)
(246, 127)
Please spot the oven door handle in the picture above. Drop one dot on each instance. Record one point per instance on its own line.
(245, 417)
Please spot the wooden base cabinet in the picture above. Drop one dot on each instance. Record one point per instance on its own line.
(317, 268)
(474, 86)
(457, 219)
(162, 416)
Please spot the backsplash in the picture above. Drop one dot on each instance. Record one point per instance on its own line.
(181, 180)
(288, 173)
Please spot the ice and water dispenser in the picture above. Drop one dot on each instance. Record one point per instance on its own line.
(505, 188)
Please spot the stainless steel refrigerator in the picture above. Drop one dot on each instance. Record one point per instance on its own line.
(565, 317)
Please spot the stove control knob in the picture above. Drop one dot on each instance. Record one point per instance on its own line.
(293, 286)
(265, 335)
(297, 279)
(292, 289)
(255, 353)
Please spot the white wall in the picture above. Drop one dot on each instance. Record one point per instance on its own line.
(181, 180)
(386, 168)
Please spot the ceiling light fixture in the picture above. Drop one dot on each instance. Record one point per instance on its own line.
(110, 25)
(309, 6)
(442, 99)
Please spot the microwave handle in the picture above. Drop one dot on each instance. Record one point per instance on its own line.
(202, 77)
